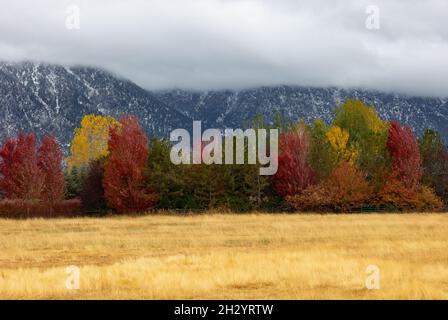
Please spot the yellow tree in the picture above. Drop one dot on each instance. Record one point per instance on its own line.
(90, 141)
(367, 134)
(338, 139)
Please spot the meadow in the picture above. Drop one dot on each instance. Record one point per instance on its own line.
(228, 256)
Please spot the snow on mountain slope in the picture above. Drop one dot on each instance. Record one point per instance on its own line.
(231, 108)
(53, 99)
(45, 98)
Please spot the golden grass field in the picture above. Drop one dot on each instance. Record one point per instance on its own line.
(228, 256)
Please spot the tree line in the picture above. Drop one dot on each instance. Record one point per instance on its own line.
(359, 161)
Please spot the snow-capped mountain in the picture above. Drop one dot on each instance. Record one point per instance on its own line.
(229, 108)
(53, 99)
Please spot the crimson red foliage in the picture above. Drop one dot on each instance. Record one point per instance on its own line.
(21, 176)
(125, 185)
(293, 174)
(50, 158)
(405, 155)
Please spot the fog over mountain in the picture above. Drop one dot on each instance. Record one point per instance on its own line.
(170, 62)
(239, 44)
(46, 98)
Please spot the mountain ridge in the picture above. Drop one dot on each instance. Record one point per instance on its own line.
(227, 107)
(46, 98)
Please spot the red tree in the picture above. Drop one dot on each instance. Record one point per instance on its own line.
(125, 185)
(293, 174)
(405, 155)
(21, 176)
(50, 158)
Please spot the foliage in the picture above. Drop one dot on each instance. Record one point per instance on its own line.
(359, 120)
(200, 186)
(429, 200)
(405, 155)
(345, 189)
(396, 195)
(357, 160)
(435, 163)
(367, 135)
(21, 176)
(74, 178)
(294, 174)
(50, 163)
(338, 139)
(90, 141)
(125, 182)
(281, 123)
(321, 157)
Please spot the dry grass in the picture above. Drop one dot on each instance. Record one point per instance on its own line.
(215, 256)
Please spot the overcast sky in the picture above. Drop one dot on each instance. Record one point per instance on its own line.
(216, 44)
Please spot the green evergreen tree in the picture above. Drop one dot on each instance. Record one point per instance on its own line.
(322, 157)
(434, 156)
(74, 179)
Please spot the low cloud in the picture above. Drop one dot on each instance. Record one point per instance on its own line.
(217, 44)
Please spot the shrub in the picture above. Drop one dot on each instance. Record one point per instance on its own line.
(429, 200)
(345, 189)
(16, 208)
(395, 195)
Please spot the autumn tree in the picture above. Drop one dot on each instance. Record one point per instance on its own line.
(293, 174)
(338, 139)
(125, 181)
(20, 174)
(359, 119)
(50, 163)
(90, 141)
(367, 135)
(321, 157)
(405, 155)
(346, 188)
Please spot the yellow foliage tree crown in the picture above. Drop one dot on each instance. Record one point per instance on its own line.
(90, 141)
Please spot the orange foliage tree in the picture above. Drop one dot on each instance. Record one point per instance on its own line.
(396, 195)
(345, 188)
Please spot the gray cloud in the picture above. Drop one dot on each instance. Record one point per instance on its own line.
(215, 44)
